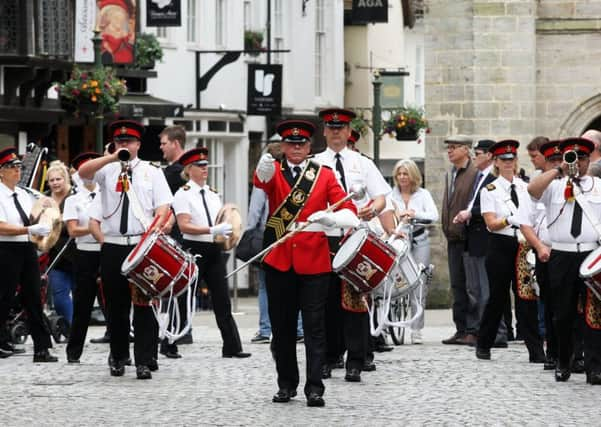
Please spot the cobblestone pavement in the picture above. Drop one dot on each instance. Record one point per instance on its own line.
(413, 385)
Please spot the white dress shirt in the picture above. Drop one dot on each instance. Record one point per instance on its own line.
(498, 200)
(78, 207)
(188, 200)
(559, 211)
(150, 186)
(9, 213)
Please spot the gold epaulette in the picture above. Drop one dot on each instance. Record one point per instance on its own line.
(490, 187)
(185, 187)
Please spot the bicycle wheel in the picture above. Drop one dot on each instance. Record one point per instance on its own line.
(399, 310)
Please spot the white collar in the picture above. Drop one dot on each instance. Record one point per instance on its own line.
(302, 164)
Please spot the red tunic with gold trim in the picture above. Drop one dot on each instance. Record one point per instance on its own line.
(306, 252)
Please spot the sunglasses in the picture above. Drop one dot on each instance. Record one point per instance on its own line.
(18, 166)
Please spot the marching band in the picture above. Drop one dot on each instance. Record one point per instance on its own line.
(319, 206)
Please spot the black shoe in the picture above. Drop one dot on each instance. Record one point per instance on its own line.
(170, 351)
(369, 367)
(11, 348)
(105, 339)
(239, 355)
(381, 348)
(124, 362)
(453, 339)
(186, 339)
(594, 378)
(339, 363)
(550, 364)
(143, 372)
(483, 353)
(44, 356)
(5, 353)
(326, 372)
(153, 365)
(500, 344)
(71, 359)
(353, 375)
(577, 366)
(561, 374)
(117, 370)
(314, 399)
(283, 395)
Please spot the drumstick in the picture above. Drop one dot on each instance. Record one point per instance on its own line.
(58, 256)
(359, 193)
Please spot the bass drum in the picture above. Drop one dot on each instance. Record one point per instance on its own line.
(46, 211)
(229, 213)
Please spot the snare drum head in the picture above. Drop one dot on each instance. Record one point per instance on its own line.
(400, 246)
(591, 264)
(349, 248)
(138, 253)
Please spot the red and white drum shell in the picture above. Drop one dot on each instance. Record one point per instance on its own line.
(157, 264)
(590, 271)
(405, 275)
(364, 260)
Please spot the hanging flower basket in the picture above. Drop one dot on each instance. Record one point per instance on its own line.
(406, 124)
(253, 40)
(91, 92)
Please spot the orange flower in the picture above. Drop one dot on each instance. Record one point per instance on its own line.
(94, 99)
(93, 83)
(97, 90)
(84, 86)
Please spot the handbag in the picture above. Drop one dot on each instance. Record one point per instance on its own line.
(251, 243)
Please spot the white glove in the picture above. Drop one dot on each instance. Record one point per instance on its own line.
(39, 229)
(322, 217)
(265, 167)
(513, 220)
(223, 229)
(345, 218)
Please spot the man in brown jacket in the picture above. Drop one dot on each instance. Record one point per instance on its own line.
(458, 187)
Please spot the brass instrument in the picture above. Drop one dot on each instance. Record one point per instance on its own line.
(571, 158)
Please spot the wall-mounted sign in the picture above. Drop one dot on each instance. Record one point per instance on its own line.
(365, 11)
(163, 13)
(264, 96)
(85, 19)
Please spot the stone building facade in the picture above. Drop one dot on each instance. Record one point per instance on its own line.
(507, 69)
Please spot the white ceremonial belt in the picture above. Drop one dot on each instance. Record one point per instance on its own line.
(335, 232)
(310, 227)
(574, 247)
(88, 246)
(208, 238)
(123, 240)
(13, 239)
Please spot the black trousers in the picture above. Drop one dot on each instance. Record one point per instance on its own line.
(287, 292)
(118, 305)
(334, 315)
(86, 268)
(566, 288)
(358, 339)
(500, 268)
(19, 266)
(211, 268)
(542, 277)
(455, 250)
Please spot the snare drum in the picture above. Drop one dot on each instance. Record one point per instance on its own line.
(406, 274)
(364, 260)
(590, 271)
(157, 264)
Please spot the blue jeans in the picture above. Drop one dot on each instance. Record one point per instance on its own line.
(264, 323)
(61, 284)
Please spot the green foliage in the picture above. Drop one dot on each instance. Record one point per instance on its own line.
(147, 50)
(407, 121)
(99, 88)
(253, 40)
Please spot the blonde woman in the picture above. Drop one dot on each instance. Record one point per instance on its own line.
(61, 278)
(413, 202)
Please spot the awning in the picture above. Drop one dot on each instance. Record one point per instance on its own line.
(142, 105)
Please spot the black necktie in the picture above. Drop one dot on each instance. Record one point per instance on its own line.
(92, 195)
(576, 226)
(125, 208)
(297, 171)
(514, 196)
(340, 170)
(204, 202)
(21, 211)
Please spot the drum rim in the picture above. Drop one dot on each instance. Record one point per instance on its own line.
(151, 238)
(584, 271)
(347, 261)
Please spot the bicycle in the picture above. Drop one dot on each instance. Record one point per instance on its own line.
(400, 307)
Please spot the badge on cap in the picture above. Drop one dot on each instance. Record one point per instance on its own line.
(576, 147)
(335, 117)
(295, 131)
(123, 130)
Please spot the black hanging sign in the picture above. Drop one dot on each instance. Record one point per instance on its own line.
(264, 95)
(163, 13)
(365, 11)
